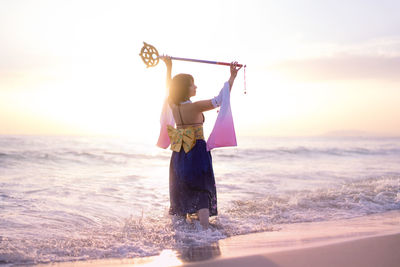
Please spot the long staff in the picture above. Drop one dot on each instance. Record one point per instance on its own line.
(150, 57)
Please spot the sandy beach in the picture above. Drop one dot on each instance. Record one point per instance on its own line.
(372, 240)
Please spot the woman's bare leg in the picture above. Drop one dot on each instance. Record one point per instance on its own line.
(204, 214)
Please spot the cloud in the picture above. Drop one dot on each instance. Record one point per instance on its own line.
(342, 67)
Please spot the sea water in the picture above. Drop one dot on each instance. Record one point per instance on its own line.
(80, 198)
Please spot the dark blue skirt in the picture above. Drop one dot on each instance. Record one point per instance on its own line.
(191, 181)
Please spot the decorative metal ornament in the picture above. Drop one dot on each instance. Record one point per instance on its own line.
(149, 55)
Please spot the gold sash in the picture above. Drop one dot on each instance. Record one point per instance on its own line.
(185, 137)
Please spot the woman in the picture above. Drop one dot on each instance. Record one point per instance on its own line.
(191, 177)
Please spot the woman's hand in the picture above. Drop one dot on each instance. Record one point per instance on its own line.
(168, 62)
(234, 70)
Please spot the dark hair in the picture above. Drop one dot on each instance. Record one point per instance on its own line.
(179, 88)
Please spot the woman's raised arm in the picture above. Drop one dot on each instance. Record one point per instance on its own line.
(168, 62)
(206, 105)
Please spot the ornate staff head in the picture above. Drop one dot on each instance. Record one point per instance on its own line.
(149, 55)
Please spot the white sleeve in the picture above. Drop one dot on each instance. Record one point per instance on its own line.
(217, 101)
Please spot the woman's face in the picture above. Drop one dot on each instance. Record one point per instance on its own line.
(192, 89)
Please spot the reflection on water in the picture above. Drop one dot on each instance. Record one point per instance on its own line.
(170, 257)
(166, 258)
(192, 244)
(199, 253)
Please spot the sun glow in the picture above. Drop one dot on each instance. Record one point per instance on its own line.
(72, 67)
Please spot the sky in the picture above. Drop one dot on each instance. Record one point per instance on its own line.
(313, 67)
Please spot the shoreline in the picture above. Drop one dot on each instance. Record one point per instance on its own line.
(372, 240)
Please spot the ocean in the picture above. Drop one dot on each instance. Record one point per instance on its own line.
(80, 198)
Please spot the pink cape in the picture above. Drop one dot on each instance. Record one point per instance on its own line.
(166, 119)
(223, 133)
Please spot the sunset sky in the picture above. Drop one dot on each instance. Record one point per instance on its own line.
(314, 67)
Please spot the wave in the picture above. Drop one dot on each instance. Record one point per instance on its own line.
(348, 200)
(71, 156)
(15, 150)
(306, 151)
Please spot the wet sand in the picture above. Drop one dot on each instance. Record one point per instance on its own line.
(374, 251)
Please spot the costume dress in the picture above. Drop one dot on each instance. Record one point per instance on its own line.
(191, 176)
